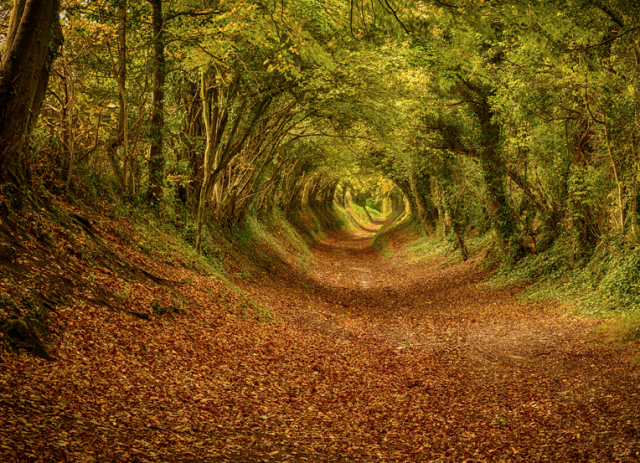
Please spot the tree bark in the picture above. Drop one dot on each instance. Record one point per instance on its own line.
(492, 164)
(424, 206)
(156, 155)
(206, 114)
(119, 72)
(31, 46)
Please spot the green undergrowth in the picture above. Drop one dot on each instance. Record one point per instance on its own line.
(174, 244)
(316, 223)
(355, 217)
(126, 243)
(602, 284)
(257, 245)
(269, 242)
(346, 219)
(402, 230)
(375, 213)
(427, 248)
(381, 244)
(360, 216)
(621, 331)
(273, 242)
(166, 232)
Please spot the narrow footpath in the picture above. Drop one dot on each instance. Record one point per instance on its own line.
(420, 362)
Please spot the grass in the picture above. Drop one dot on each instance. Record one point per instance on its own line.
(375, 214)
(606, 286)
(381, 244)
(425, 249)
(622, 330)
(359, 215)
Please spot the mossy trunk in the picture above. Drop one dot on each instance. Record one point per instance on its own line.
(156, 122)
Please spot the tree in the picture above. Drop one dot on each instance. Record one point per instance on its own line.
(156, 148)
(30, 48)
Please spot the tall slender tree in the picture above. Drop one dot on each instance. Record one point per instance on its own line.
(156, 154)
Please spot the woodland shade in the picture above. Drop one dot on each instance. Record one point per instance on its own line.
(509, 121)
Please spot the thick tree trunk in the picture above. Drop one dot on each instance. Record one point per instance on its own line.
(31, 45)
(492, 164)
(494, 176)
(156, 155)
(425, 208)
(405, 187)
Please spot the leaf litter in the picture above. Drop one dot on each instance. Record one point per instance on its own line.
(364, 359)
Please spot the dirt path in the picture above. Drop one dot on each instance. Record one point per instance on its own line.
(372, 360)
(421, 363)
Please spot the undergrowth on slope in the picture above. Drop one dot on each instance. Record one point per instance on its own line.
(315, 223)
(404, 229)
(360, 216)
(272, 240)
(604, 284)
(375, 213)
(381, 244)
(420, 247)
(345, 218)
(94, 247)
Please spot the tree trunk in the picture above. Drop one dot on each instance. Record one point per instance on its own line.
(464, 251)
(405, 188)
(423, 208)
(493, 168)
(206, 114)
(119, 72)
(30, 48)
(156, 155)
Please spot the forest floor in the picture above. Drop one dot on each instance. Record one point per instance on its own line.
(419, 361)
(363, 358)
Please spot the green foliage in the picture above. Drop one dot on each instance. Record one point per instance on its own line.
(505, 125)
(381, 244)
(605, 284)
(548, 267)
(622, 330)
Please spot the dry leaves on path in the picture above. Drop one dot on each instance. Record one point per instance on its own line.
(370, 360)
